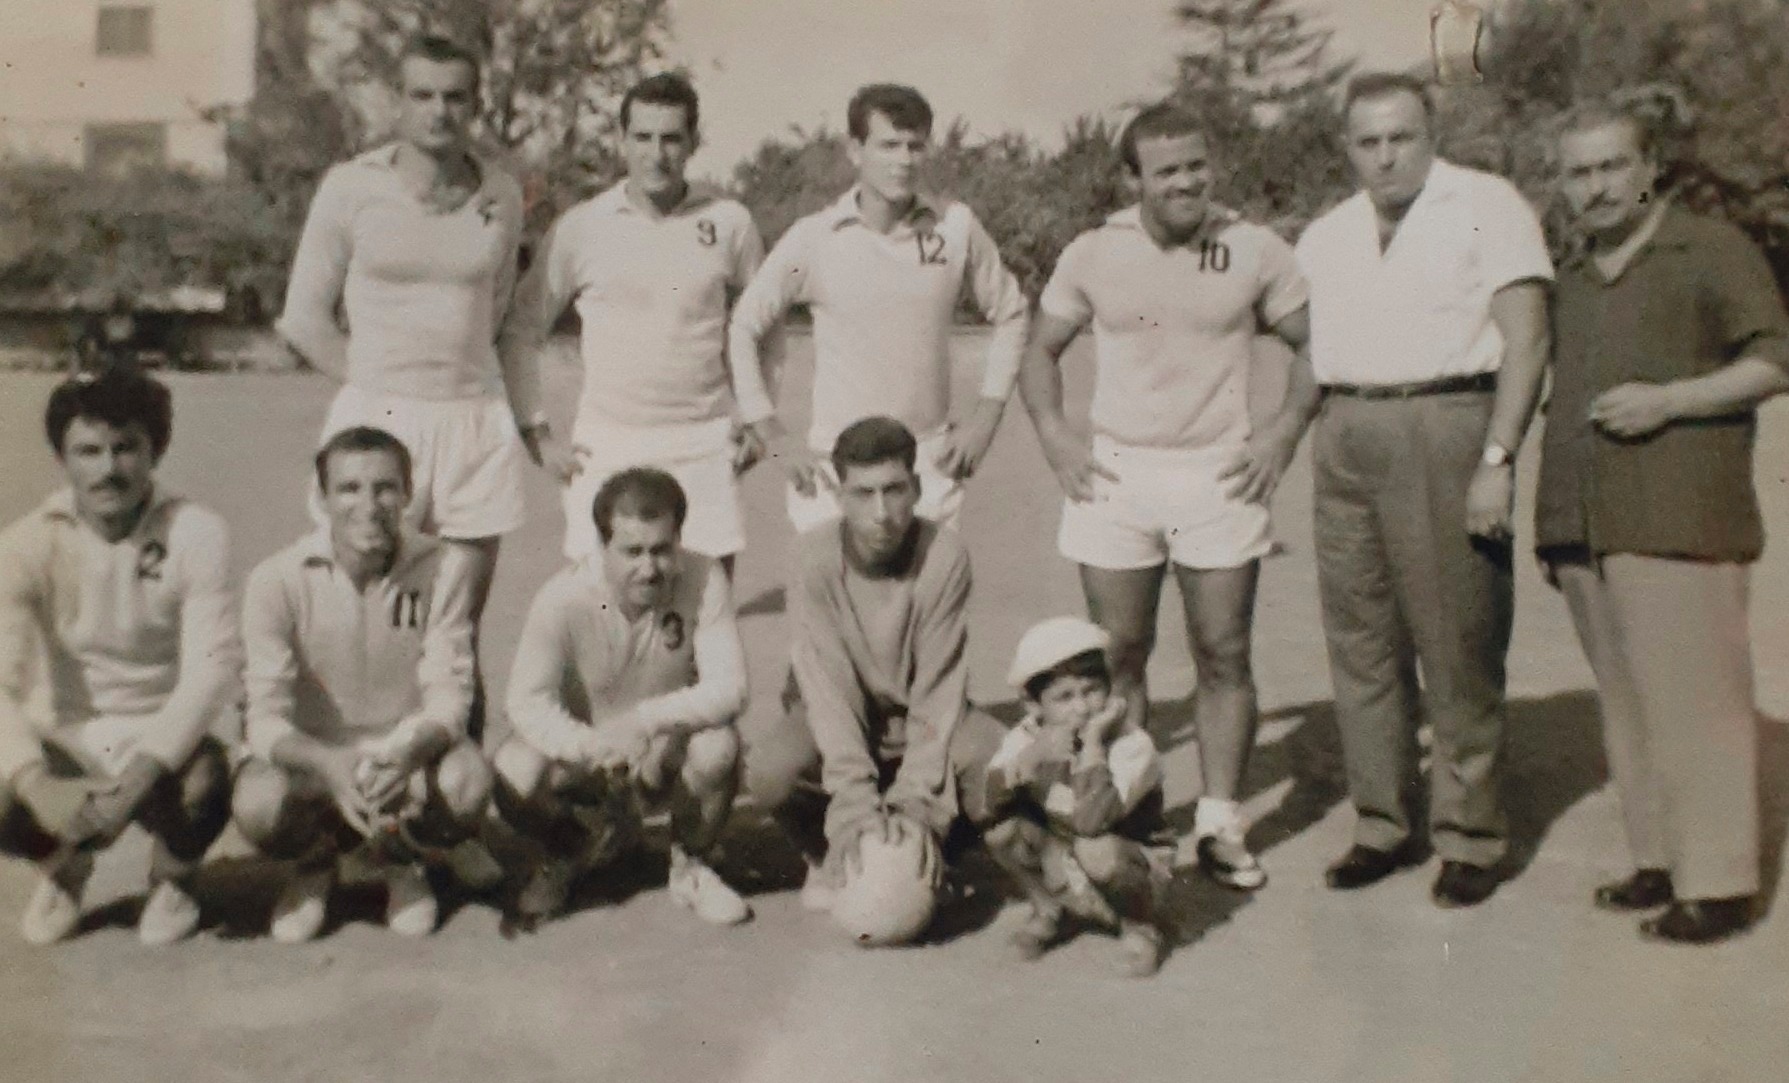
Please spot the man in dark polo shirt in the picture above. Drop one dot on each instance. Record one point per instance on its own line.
(1669, 331)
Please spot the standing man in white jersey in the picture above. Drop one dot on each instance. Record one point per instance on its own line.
(118, 663)
(1176, 289)
(416, 243)
(883, 270)
(359, 641)
(1429, 337)
(651, 266)
(627, 681)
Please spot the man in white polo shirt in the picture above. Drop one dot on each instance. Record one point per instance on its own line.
(1429, 337)
(118, 663)
(1176, 289)
(627, 681)
(416, 243)
(652, 266)
(359, 643)
(883, 270)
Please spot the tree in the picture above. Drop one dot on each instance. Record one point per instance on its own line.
(554, 75)
(1255, 53)
(1259, 73)
(1727, 59)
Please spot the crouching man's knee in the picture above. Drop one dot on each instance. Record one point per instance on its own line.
(1015, 841)
(711, 760)
(463, 779)
(1111, 861)
(520, 768)
(259, 805)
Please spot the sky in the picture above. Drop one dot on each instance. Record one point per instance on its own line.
(1030, 65)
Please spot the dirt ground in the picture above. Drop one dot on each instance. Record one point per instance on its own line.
(1293, 984)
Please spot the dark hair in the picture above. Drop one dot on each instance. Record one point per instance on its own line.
(362, 438)
(1163, 120)
(904, 107)
(873, 441)
(1373, 85)
(639, 492)
(1090, 664)
(665, 89)
(120, 398)
(440, 50)
(1657, 112)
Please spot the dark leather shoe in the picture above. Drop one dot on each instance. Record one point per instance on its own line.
(1701, 921)
(1461, 884)
(1647, 889)
(1364, 865)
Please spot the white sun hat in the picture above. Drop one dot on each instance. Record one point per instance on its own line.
(1051, 642)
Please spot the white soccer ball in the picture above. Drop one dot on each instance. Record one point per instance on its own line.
(888, 900)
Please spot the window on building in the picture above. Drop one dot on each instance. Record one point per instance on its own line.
(119, 148)
(124, 31)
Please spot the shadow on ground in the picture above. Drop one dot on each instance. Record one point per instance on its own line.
(1554, 758)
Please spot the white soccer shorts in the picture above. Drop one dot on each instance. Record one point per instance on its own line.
(468, 464)
(699, 456)
(1168, 504)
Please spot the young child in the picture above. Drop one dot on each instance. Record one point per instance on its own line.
(1075, 799)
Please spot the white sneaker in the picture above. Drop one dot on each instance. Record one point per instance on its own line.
(303, 907)
(701, 889)
(1225, 857)
(54, 910)
(410, 908)
(169, 914)
(819, 891)
(473, 865)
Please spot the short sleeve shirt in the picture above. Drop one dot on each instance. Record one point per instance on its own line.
(1420, 308)
(651, 295)
(1695, 297)
(1174, 327)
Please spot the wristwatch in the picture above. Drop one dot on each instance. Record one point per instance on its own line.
(1496, 455)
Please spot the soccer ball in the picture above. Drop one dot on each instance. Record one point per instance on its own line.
(888, 900)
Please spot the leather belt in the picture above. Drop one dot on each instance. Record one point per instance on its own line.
(1447, 385)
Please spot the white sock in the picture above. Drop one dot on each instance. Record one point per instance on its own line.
(1214, 816)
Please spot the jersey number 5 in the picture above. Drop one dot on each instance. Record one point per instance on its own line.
(931, 249)
(705, 234)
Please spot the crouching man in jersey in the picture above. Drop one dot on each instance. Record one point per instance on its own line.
(878, 737)
(118, 661)
(626, 684)
(360, 660)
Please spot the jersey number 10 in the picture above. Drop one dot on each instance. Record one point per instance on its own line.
(1214, 256)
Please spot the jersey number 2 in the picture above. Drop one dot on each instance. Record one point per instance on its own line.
(931, 249)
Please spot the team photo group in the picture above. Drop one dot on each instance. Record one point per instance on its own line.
(330, 707)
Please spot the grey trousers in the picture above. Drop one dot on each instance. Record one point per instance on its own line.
(1669, 644)
(1406, 591)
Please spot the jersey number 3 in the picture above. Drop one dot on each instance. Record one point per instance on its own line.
(931, 249)
(705, 234)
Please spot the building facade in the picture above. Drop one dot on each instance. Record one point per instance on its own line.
(108, 83)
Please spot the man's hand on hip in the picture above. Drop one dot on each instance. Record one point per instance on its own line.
(1254, 476)
(1072, 460)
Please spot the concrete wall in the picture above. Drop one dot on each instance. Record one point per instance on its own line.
(53, 84)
